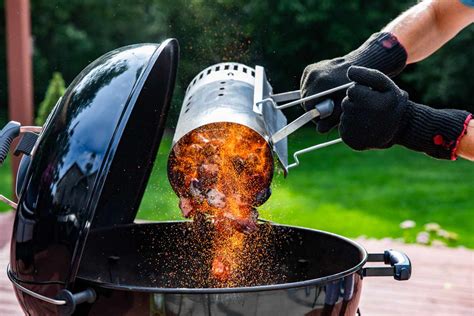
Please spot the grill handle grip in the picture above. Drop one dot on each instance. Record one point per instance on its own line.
(400, 265)
(7, 134)
(74, 299)
(320, 111)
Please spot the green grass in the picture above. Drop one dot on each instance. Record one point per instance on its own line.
(353, 193)
(346, 192)
(5, 184)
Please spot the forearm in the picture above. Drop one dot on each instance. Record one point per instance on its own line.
(466, 145)
(427, 26)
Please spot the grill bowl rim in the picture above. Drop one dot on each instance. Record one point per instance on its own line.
(258, 288)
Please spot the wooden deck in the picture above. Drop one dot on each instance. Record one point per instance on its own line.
(442, 282)
(8, 303)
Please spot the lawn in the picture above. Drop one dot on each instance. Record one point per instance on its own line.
(346, 192)
(353, 193)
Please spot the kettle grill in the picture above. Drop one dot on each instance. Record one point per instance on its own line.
(75, 248)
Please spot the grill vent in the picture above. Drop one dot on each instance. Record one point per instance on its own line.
(225, 70)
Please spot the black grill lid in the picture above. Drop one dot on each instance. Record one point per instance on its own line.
(93, 159)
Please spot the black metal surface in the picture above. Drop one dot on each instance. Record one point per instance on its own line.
(156, 257)
(7, 134)
(400, 265)
(96, 153)
(340, 297)
(130, 274)
(26, 144)
(21, 174)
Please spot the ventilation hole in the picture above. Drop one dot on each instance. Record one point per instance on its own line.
(190, 97)
(186, 111)
(209, 71)
(200, 77)
(253, 73)
(222, 88)
(222, 82)
(218, 67)
(245, 70)
(194, 81)
(226, 67)
(220, 94)
(236, 67)
(187, 105)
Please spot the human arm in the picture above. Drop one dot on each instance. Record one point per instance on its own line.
(412, 36)
(377, 115)
(466, 145)
(427, 26)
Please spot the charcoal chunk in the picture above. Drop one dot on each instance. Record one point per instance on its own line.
(186, 207)
(209, 150)
(245, 225)
(216, 198)
(252, 161)
(262, 196)
(195, 190)
(208, 174)
(238, 163)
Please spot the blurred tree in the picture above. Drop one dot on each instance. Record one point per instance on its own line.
(55, 91)
(445, 78)
(282, 35)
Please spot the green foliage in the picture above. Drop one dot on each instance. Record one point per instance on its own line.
(351, 193)
(445, 78)
(55, 91)
(282, 35)
(345, 192)
(6, 184)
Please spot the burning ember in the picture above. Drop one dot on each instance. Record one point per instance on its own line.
(222, 172)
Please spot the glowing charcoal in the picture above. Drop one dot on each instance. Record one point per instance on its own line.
(208, 174)
(186, 206)
(262, 196)
(220, 269)
(220, 172)
(195, 191)
(238, 163)
(215, 198)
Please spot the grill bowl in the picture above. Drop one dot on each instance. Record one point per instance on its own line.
(144, 268)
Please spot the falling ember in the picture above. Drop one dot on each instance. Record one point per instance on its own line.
(222, 172)
(220, 268)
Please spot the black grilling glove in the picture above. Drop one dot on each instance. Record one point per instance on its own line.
(381, 51)
(378, 114)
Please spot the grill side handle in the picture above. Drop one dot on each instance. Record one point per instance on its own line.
(400, 265)
(7, 134)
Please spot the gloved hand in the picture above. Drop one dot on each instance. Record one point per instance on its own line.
(378, 114)
(381, 51)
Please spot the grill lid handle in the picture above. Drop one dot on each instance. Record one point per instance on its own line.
(65, 300)
(400, 265)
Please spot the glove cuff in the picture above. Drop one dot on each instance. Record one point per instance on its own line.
(432, 131)
(382, 51)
